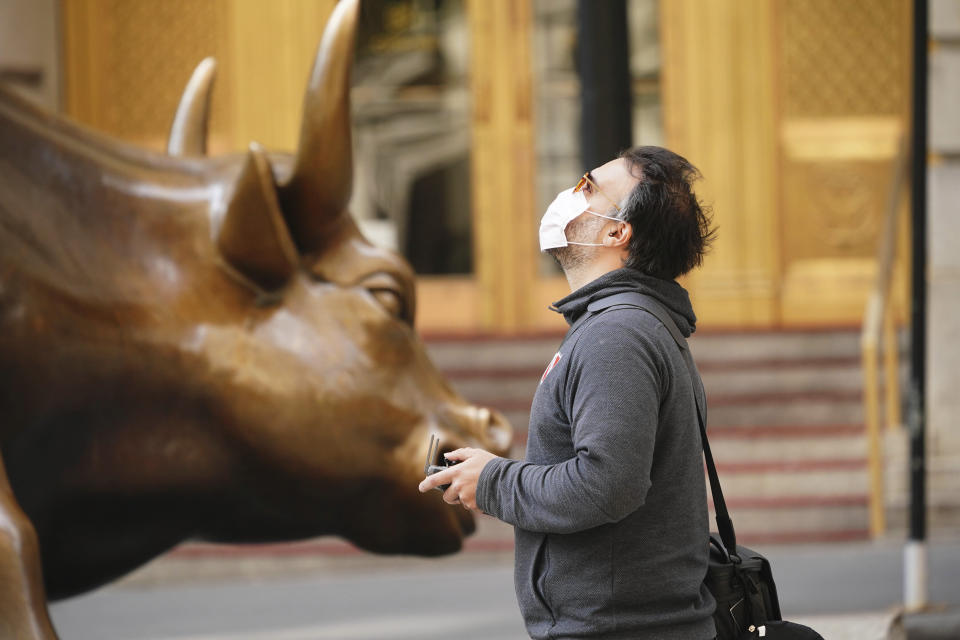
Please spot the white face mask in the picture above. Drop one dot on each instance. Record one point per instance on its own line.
(564, 208)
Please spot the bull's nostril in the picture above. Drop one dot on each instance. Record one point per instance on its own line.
(476, 426)
(497, 431)
(483, 418)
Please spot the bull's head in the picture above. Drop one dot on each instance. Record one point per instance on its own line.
(205, 347)
(332, 392)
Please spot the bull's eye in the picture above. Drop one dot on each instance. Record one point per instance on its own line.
(390, 300)
(387, 292)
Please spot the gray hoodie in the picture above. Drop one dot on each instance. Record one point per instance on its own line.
(609, 507)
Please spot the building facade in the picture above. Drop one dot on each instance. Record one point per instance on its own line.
(466, 118)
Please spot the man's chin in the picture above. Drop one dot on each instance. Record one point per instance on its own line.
(555, 253)
(570, 257)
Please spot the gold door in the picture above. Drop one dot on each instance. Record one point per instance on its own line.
(793, 111)
(843, 101)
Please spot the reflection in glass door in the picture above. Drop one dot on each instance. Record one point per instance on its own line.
(411, 119)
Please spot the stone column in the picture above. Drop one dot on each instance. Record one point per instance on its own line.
(943, 302)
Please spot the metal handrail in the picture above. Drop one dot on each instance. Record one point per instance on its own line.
(879, 318)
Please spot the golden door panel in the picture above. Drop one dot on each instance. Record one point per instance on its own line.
(125, 64)
(719, 108)
(831, 208)
(844, 82)
(793, 110)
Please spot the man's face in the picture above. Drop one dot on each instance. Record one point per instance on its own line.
(608, 186)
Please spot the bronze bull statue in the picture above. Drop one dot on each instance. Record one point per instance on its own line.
(197, 347)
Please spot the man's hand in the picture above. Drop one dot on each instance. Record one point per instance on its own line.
(462, 477)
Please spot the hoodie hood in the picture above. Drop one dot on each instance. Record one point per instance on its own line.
(674, 297)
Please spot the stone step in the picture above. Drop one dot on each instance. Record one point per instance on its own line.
(791, 446)
(817, 521)
(765, 345)
(521, 360)
(725, 386)
(726, 348)
(826, 478)
(492, 354)
(836, 376)
(774, 413)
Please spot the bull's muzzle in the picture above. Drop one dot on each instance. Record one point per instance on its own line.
(480, 427)
(497, 432)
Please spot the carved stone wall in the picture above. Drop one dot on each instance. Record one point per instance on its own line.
(943, 260)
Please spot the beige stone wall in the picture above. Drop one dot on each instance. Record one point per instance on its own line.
(28, 48)
(943, 206)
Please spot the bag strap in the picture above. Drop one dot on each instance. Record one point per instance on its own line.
(652, 306)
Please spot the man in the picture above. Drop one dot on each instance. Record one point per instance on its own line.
(609, 506)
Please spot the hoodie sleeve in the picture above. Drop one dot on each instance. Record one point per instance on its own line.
(612, 397)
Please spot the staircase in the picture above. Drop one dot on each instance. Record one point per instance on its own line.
(784, 419)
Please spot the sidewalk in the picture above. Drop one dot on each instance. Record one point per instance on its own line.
(850, 626)
(822, 580)
(364, 597)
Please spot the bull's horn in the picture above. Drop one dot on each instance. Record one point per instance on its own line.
(188, 134)
(252, 236)
(318, 190)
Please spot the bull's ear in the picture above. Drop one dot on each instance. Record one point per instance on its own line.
(252, 236)
(188, 133)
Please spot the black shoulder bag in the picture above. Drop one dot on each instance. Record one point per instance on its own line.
(739, 578)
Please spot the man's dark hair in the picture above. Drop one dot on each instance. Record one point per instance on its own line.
(671, 228)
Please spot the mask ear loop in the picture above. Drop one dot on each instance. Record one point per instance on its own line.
(600, 215)
(594, 244)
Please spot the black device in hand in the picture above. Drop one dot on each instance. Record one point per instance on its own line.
(429, 468)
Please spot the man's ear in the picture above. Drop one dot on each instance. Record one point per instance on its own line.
(618, 237)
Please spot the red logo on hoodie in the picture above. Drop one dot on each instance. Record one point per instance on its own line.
(550, 366)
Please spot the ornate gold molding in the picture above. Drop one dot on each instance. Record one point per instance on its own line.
(836, 57)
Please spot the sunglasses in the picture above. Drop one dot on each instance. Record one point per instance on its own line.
(588, 179)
